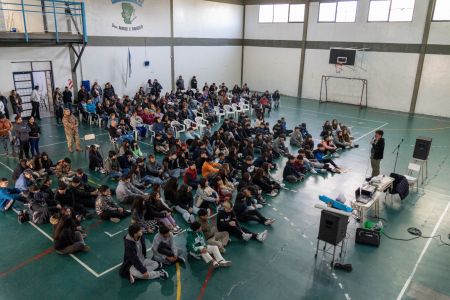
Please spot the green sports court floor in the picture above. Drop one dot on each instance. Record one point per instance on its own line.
(284, 266)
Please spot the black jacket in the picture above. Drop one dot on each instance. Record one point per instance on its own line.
(130, 257)
(224, 218)
(378, 149)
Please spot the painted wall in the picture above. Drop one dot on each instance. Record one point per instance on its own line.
(389, 87)
(209, 64)
(434, 92)
(150, 19)
(272, 68)
(109, 64)
(207, 19)
(439, 33)
(269, 31)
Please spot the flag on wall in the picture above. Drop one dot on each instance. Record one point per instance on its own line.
(129, 63)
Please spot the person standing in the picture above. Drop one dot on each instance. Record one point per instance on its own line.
(67, 98)
(22, 136)
(16, 102)
(35, 103)
(194, 83)
(180, 83)
(35, 134)
(70, 124)
(377, 151)
(5, 132)
(58, 105)
(5, 104)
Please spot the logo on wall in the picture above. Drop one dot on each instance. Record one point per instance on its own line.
(128, 15)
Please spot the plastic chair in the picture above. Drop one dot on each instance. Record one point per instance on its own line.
(237, 109)
(412, 175)
(176, 125)
(191, 124)
(229, 111)
(219, 112)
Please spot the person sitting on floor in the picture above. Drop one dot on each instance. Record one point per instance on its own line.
(246, 210)
(66, 198)
(141, 216)
(155, 171)
(84, 194)
(205, 197)
(105, 207)
(112, 166)
(8, 195)
(296, 138)
(213, 236)
(322, 157)
(157, 206)
(197, 247)
(190, 176)
(25, 180)
(126, 192)
(95, 159)
(290, 174)
(67, 239)
(135, 264)
(164, 249)
(269, 187)
(227, 221)
(279, 148)
(209, 167)
(184, 202)
(64, 171)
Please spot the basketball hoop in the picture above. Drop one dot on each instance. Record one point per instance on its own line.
(339, 67)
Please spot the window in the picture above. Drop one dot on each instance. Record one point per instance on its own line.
(391, 10)
(339, 11)
(296, 12)
(441, 10)
(281, 13)
(265, 13)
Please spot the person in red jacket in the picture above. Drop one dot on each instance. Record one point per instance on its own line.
(190, 176)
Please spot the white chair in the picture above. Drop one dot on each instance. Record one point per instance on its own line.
(412, 175)
(191, 124)
(150, 132)
(219, 112)
(201, 123)
(176, 128)
(237, 109)
(229, 96)
(113, 142)
(229, 111)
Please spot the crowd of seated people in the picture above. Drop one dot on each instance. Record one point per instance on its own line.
(196, 174)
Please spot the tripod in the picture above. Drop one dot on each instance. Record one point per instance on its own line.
(397, 149)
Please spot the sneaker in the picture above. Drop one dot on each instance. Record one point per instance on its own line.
(262, 236)
(274, 193)
(160, 265)
(163, 274)
(114, 220)
(86, 248)
(225, 263)
(246, 236)
(269, 222)
(8, 205)
(215, 264)
(337, 170)
(181, 260)
(355, 146)
(313, 171)
(102, 171)
(131, 279)
(258, 206)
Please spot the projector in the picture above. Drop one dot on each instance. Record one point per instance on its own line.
(368, 190)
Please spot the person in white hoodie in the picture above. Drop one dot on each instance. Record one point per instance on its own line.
(135, 262)
(126, 192)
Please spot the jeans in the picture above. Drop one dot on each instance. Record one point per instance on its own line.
(175, 173)
(115, 175)
(187, 216)
(154, 180)
(24, 149)
(252, 215)
(5, 141)
(34, 146)
(35, 110)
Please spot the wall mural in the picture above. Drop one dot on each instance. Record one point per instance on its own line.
(129, 15)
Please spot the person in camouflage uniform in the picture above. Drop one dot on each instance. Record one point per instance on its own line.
(71, 129)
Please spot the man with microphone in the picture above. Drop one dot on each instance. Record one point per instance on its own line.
(376, 153)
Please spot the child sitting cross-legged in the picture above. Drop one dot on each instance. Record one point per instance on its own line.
(197, 247)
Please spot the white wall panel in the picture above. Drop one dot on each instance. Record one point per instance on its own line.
(207, 19)
(390, 79)
(272, 69)
(434, 92)
(439, 33)
(269, 31)
(209, 64)
(109, 64)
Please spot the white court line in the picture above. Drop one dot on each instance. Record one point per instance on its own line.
(366, 134)
(145, 143)
(330, 114)
(6, 167)
(63, 142)
(71, 255)
(408, 281)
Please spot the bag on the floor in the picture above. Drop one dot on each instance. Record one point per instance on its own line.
(23, 217)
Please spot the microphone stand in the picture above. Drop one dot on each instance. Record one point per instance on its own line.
(397, 149)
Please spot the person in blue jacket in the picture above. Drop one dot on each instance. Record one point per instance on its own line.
(7, 195)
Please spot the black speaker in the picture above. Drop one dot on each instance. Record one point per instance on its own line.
(422, 148)
(342, 56)
(367, 237)
(333, 227)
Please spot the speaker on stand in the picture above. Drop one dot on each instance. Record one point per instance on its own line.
(420, 155)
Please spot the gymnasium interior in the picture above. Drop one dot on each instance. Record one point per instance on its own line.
(338, 232)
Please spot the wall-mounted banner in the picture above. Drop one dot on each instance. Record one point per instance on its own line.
(128, 15)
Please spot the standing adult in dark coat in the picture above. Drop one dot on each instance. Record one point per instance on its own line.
(376, 153)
